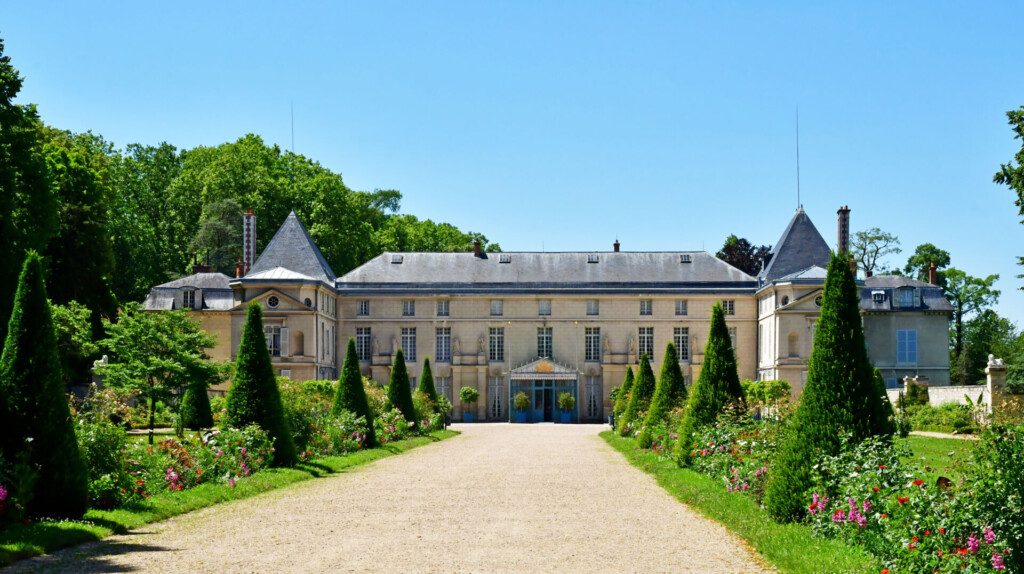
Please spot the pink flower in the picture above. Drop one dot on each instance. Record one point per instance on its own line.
(3, 493)
(231, 482)
(990, 536)
(867, 506)
(972, 543)
(839, 516)
(997, 562)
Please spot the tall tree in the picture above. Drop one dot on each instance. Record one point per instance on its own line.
(669, 393)
(399, 389)
(924, 256)
(351, 395)
(1010, 174)
(75, 346)
(35, 421)
(871, 246)
(622, 399)
(743, 255)
(426, 385)
(219, 239)
(985, 333)
(28, 205)
(968, 295)
(639, 397)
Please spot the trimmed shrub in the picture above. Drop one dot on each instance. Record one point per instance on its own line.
(35, 421)
(399, 391)
(669, 393)
(639, 396)
(841, 396)
(426, 385)
(195, 406)
(254, 397)
(717, 385)
(351, 395)
(622, 398)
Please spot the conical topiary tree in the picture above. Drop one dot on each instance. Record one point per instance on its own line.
(195, 410)
(717, 385)
(622, 399)
(399, 393)
(669, 393)
(351, 396)
(426, 385)
(639, 396)
(254, 397)
(841, 396)
(35, 421)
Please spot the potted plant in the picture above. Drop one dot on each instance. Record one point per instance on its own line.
(522, 404)
(566, 404)
(469, 396)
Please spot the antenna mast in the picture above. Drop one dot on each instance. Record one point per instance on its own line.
(292, 105)
(799, 205)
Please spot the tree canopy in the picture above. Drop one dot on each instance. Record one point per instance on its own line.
(968, 295)
(871, 246)
(743, 255)
(1011, 174)
(924, 255)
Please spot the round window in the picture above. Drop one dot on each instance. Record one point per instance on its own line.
(785, 300)
(817, 300)
(272, 302)
(309, 302)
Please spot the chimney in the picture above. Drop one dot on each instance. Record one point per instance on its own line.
(476, 248)
(933, 273)
(248, 241)
(200, 268)
(615, 246)
(238, 269)
(869, 273)
(843, 244)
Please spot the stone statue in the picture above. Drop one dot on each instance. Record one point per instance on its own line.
(992, 361)
(376, 346)
(456, 346)
(482, 344)
(101, 362)
(607, 345)
(394, 344)
(632, 346)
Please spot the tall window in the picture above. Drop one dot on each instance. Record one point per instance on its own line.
(592, 344)
(906, 296)
(188, 299)
(442, 308)
(497, 307)
(364, 308)
(544, 342)
(443, 350)
(497, 344)
(646, 307)
(729, 307)
(363, 343)
(681, 307)
(409, 344)
(646, 341)
(273, 335)
(906, 346)
(544, 307)
(409, 308)
(681, 339)
(593, 307)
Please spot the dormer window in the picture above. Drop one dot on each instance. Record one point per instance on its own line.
(878, 297)
(188, 299)
(906, 296)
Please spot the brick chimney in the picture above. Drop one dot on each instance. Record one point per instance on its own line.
(843, 229)
(476, 248)
(238, 269)
(248, 241)
(933, 273)
(615, 246)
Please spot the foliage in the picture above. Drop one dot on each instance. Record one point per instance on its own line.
(521, 402)
(74, 341)
(566, 401)
(1011, 175)
(985, 333)
(924, 256)
(399, 388)
(639, 398)
(743, 255)
(426, 384)
(337, 434)
(870, 246)
(622, 398)
(669, 393)
(307, 408)
(717, 385)
(469, 395)
(915, 393)
(391, 426)
(195, 412)
(738, 453)
(842, 395)
(968, 295)
(104, 451)
(351, 394)
(254, 397)
(948, 417)
(767, 393)
(35, 420)
(218, 240)
(376, 395)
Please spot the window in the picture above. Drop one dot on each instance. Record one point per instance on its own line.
(646, 306)
(505, 258)
(496, 399)
(681, 339)
(364, 309)
(593, 401)
(592, 258)
(273, 302)
(785, 300)
(647, 342)
(409, 308)
(544, 342)
(817, 301)
(732, 336)
(409, 344)
(188, 299)
(444, 387)
(363, 343)
(497, 344)
(273, 335)
(729, 307)
(906, 346)
(544, 307)
(443, 348)
(308, 302)
(497, 307)
(681, 307)
(593, 307)
(442, 308)
(906, 295)
(592, 344)
(878, 297)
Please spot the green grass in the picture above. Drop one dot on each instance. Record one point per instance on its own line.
(939, 456)
(23, 541)
(788, 547)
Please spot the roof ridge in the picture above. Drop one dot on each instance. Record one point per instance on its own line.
(292, 248)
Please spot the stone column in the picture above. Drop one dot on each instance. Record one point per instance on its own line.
(995, 375)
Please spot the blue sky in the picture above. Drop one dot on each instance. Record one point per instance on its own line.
(563, 125)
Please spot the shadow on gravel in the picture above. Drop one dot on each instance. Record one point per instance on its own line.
(92, 558)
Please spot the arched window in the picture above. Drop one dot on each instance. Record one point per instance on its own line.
(298, 342)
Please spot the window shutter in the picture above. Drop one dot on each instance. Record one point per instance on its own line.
(917, 297)
(284, 342)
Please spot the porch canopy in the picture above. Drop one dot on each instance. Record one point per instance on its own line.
(542, 381)
(544, 369)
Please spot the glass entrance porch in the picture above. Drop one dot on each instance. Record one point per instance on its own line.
(542, 381)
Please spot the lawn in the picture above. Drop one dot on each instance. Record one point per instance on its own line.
(939, 456)
(788, 547)
(22, 541)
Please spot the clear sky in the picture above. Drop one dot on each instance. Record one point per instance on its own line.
(563, 125)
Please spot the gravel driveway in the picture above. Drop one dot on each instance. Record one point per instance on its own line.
(498, 498)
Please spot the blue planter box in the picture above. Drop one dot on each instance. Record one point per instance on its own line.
(565, 416)
(520, 417)
(468, 417)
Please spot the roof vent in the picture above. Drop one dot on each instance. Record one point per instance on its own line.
(397, 259)
(685, 258)
(592, 258)
(505, 258)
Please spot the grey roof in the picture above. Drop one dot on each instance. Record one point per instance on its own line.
(215, 289)
(813, 274)
(200, 281)
(800, 247)
(533, 272)
(932, 296)
(891, 281)
(293, 249)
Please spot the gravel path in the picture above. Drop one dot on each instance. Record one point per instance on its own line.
(498, 498)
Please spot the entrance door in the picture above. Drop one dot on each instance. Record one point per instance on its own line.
(537, 406)
(549, 403)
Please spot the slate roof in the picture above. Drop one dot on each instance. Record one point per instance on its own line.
(215, 289)
(200, 281)
(932, 296)
(552, 272)
(293, 249)
(799, 248)
(813, 274)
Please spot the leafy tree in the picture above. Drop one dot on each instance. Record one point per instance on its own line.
(28, 205)
(1012, 175)
(669, 393)
(399, 391)
(968, 295)
(74, 341)
(842, 395)
(402, 232)
(254, 397)
(219, 239)
(622, 399)
(154, 354)
(351, 395)
(426, 385)
(35, 421)
(639, 396)
(195, 409)
(922, 259)
(717, 385)
(870, 246)
(985, 333)
(743, 255)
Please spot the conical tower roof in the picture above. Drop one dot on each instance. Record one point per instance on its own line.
(292, 250)
(799, 248)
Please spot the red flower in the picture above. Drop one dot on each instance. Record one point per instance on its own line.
(939, 553)
(884, 515)
(918, 482)
(885, 571)
(903, 500)
(881, 467)
(942, 530)
(875, 488)
(927, 532)
(915, 539)
(961, 551)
